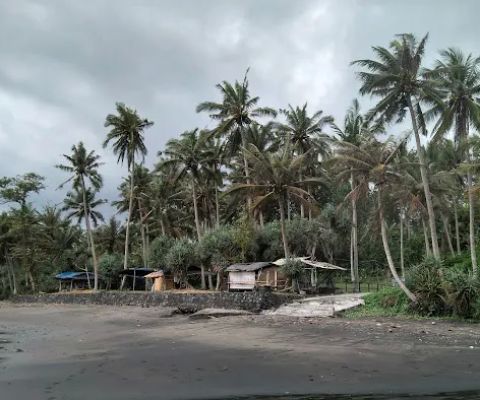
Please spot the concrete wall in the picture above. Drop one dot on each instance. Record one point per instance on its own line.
(186, 302)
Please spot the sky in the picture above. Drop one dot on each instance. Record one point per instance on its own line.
(64, 64)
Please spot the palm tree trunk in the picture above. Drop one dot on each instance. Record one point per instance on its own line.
(426, 185)
(473, 253)
(281, 207)
(446, 228)
(199, 231)
(195, 210)
(402, 260)
(352, 274)
(302, 209)
(428, 251)
(129, 216)
(457, 229)
(142, 234)
(388, 254)
(309, 208)
(162, 226)
(245, 166)
(289, 211)
(217, 208)
(90, 236)
(356, 275)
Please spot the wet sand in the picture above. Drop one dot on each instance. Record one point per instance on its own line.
(78, 352)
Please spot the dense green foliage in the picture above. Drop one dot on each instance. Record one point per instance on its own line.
(264, 184)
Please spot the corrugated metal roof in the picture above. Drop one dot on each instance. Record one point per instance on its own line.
(155, 274)
(248, 266)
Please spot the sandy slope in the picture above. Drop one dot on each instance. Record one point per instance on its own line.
(79, 352)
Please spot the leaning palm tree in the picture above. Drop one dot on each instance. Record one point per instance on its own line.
(276, 179)
(396, 77)
(235, 113)
(356, 128)
(372, 163)
(83, 166)
(126, 133)
(458, 78)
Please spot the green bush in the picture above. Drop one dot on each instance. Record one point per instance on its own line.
(463, 293)
(159, 248)
(109, 265)
(218, 248)
(293, 269)
(180, 257)
(425, 280)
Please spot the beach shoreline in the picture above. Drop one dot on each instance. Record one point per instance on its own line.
(77, 352)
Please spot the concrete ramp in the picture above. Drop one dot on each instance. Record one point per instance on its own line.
(321, 306)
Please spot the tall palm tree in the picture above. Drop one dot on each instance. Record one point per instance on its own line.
(142, 178)
(188, 155)
(458, 78)
(305, 133)
(81, 205)
(372, 163)
(126, 133)
(83, 166)
(235, 113)
(396, 77)
(356, 128)
(276, 178)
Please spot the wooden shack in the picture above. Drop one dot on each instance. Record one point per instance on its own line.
(248, 276)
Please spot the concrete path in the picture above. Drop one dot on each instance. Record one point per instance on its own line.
(320, 306)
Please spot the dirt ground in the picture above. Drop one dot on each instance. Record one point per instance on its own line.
(77, 352)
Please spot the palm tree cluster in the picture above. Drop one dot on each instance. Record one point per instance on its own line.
(352, 191)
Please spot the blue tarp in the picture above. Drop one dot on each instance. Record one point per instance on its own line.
(73, 275)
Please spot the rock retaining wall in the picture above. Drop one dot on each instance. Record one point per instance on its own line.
(184, 301)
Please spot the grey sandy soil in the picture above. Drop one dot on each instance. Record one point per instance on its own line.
(79, 352)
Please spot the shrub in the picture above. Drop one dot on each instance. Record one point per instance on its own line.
(159, 249)
(391, 299)
(109, 265)
(463, 293)
(293, 269)
(180, 257)
(218, 248)
(425, 280)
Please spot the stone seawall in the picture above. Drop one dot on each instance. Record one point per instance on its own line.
(184, 301)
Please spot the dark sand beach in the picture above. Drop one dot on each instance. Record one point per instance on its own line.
(78, 352)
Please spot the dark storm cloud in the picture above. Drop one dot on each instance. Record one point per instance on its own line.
(63, 64)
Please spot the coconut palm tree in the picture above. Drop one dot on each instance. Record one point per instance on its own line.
(80, 204)
(372, 163)
(188, 154)
(458, 77)
(235, 113)
(126, 134)
(276, 179)
(396, 77)
(83, 166)
(74, 203)
(305, 133)
(356, 128)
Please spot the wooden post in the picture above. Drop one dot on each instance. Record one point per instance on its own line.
(134, 278)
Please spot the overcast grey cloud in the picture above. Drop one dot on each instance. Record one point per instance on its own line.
(64, 64)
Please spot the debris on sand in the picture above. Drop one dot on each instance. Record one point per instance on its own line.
(207, 313)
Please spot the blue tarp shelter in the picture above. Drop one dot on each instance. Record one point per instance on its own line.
(79, 279)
